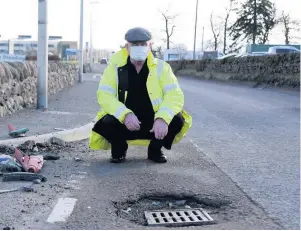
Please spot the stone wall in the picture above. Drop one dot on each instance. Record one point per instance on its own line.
(18, 83)
(277, 70)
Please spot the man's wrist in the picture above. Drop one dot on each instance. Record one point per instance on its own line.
(129, 112)
(159, 118)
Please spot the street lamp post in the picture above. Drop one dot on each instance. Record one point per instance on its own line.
(203, 39)
(42, 57)
(81, 42)
(91, 38)
(91, 29)
(195, 26)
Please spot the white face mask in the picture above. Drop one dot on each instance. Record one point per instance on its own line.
(139, 53)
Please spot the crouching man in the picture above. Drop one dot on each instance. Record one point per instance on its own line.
(141, 102)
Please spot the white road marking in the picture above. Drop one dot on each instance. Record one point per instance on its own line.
(239, 135)
(195, 145)
(60, 129)
(96, 76)
(62, 210)
(65, 113)
(58, 112)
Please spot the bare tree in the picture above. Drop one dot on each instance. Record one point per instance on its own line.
(229, 9)
(209, 44)
(157, 51)
(169, 23)
(160, 52)
(216, 31)
(289, 26)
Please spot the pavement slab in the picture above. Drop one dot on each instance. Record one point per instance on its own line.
(69, 108)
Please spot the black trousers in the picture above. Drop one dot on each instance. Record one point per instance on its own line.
(117, 134)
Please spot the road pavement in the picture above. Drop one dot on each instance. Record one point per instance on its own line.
(68, 108)
(253, 135)
(240, 159)
(84, 194)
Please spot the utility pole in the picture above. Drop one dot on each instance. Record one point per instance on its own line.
(81, 43)
(195, 26)
(203, 40)
(42, 56)
(91, 38)
(91, 29)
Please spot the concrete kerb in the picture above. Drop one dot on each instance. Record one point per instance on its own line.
(70, 135)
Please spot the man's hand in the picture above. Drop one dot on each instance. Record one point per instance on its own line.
(131, 122)
(160, 128)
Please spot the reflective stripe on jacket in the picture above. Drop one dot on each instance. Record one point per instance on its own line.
(164, 91)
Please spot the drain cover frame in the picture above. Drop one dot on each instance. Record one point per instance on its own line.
(175, 217)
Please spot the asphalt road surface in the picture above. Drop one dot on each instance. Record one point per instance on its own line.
(240, 158)
(91, 193)
(253, 135)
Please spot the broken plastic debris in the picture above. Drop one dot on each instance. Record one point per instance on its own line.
(16, 132)
(28, 188)
(9, 164)
(23, 176)
(31, 164)
(5, 157)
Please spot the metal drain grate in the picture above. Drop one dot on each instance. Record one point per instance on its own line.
(178, 217)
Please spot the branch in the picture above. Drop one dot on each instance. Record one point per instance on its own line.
(165, 17)
(173, 17)
(172, 30)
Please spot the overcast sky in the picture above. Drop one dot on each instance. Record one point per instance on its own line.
(112, 18)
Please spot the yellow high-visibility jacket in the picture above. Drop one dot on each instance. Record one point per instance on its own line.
(164, 91)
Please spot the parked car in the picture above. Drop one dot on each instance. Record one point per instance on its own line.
(252, 54)
(282, 50)
(103, 61)
(228, 56)
(258, 54)
(240, 55)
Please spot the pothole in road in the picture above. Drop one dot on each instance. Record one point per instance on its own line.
(134, 210)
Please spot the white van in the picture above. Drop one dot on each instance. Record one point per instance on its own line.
(282, 50)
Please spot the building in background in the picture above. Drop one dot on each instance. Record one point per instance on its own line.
(175, 54)
(25, 45)
(63, 47)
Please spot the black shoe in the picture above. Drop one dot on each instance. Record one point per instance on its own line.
(157, 156)
(117, 160)
(118, 151)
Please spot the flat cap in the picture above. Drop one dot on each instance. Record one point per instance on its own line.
(138, 34)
